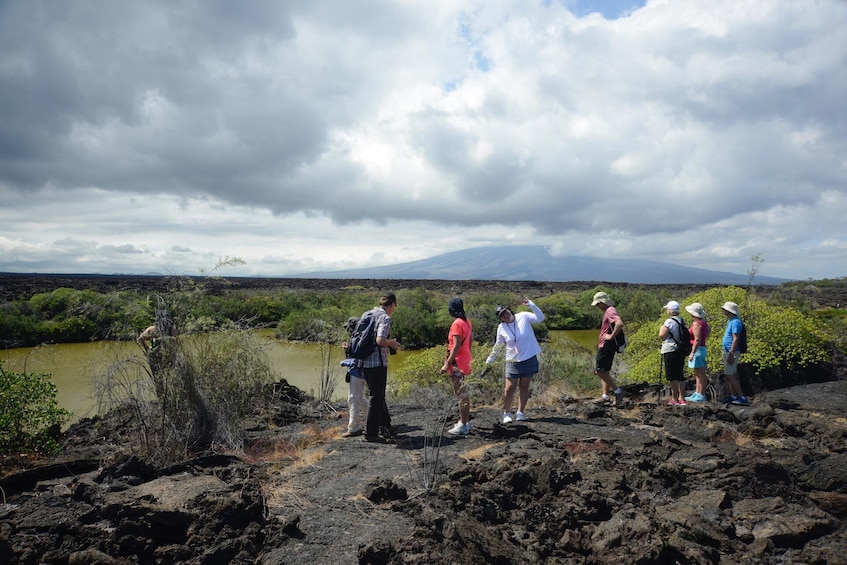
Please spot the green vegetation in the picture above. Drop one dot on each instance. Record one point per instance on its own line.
(194, 389)
(420, 321)
(422, 371)
(29, 414)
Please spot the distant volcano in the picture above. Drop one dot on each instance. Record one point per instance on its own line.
(535, 263)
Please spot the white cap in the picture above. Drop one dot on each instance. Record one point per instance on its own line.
(673, 306)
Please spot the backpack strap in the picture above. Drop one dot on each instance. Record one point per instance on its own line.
(679, 325)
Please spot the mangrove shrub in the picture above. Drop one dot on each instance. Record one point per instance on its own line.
(29, 412)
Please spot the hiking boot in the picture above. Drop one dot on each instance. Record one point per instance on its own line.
(507, 418)
(354, 433)
(460, 429)
(373, 439)
(520, 417)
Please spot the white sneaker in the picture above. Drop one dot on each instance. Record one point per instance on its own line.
(460, 429)
(507, 418)
(520, 417)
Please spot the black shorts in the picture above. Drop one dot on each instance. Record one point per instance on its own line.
(674, 361)
(605, 356)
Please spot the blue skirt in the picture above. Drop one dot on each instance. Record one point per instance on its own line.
(517, 369)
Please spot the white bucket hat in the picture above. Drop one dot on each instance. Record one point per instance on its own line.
(673, 306)
(731, 307)
(602, 297)
(696, 310)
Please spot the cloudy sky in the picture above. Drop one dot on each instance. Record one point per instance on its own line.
(162, 136)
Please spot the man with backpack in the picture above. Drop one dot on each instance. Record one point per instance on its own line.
(676, 345)
(734, 344)
(375, 369)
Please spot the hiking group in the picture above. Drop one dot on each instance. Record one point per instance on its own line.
(370, 344)
(680, 343)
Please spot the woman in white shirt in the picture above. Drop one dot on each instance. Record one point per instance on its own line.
(516, 334)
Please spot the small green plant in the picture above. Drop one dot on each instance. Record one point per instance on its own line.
(421, 370)
(29, 412)
(566, 368)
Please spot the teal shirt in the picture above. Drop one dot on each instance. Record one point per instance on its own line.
(734, 326)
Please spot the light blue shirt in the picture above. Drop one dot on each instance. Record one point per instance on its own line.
(734, 326)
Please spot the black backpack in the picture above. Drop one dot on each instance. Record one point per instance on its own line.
(620, 340)
(742, 339)
(363, 341)
(684, 343)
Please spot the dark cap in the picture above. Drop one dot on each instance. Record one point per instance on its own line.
(456, 307)
(500, 309)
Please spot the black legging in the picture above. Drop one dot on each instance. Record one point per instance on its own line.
(377, 378)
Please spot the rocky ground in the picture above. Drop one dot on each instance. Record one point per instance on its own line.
(577, 483)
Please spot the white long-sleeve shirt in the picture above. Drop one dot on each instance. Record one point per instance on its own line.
(518, 336)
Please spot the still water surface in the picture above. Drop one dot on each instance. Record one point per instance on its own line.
(73, 364)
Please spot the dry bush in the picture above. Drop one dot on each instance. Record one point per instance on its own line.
(588, 445)
(295, 450)
(190, 393)
(727, 435)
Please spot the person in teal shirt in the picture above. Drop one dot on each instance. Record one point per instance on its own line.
(731, 353)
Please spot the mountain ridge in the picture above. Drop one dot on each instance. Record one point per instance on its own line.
(536, 263)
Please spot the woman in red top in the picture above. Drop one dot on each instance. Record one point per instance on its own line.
(697, 360)
(458, 364)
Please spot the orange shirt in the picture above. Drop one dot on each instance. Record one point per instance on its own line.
(463, 329)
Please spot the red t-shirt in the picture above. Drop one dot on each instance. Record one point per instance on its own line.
(610, 316)
(463, 329)
(704, 331)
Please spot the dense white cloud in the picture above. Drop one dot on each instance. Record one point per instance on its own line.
(161, 136)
